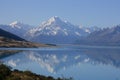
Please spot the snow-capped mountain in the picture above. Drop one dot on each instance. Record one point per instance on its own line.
(56, 30)
(55, 26)
(106, 36)
(17, 28)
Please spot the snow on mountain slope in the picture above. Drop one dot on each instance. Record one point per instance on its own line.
(91, 29)
(55, 28)
(20, 25)
(17, 28)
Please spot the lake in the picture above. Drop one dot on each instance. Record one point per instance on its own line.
(78, 62)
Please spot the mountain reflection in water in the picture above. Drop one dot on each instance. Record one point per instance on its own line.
(79, 61)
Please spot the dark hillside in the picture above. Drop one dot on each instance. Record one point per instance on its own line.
(9, 35)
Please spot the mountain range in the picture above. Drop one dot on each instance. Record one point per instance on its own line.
(57, 31)
(54, 30)
(106, 36)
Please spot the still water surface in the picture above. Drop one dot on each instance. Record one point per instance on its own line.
(80, 63)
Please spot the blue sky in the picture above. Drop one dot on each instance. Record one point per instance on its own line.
(101, 13)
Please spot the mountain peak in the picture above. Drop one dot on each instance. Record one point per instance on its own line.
(15, 23)
(51, 21)
(54, 18)
(19, 25)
